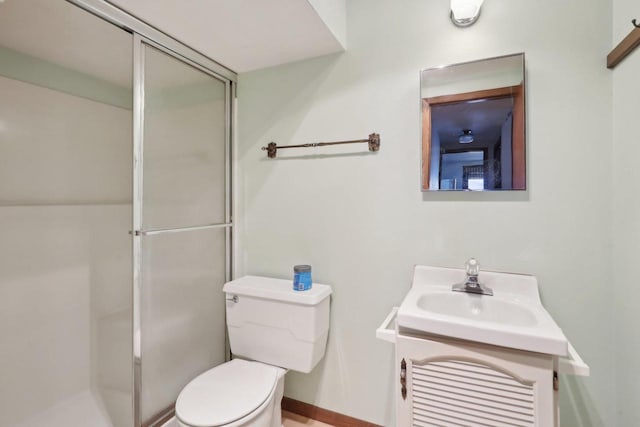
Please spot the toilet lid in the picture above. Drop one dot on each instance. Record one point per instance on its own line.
(226, 393)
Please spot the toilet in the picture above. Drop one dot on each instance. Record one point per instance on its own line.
(272, 329)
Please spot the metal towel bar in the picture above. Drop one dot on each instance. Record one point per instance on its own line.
(373, 140)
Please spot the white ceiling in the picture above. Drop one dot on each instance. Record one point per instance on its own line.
(58, 32)
(242, 35)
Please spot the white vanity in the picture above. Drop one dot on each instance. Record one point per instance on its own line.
(467, 359)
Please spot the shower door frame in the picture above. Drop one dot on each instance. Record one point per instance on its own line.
(138, 205)
(146, 34)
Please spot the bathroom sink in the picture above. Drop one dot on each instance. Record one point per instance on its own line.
(512, 317)
(477, 308)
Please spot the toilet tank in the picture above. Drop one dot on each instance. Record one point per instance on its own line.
(271, 323)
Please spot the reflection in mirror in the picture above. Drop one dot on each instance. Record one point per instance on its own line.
(473, 125)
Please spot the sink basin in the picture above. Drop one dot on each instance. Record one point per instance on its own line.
(478, 308)
(513, 317)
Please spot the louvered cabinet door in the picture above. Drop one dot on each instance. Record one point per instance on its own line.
(460, 384)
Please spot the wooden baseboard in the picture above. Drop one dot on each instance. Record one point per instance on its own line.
(322, 415)
(288, 404)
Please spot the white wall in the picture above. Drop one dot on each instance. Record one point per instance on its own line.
(626, 216)
(362, 222)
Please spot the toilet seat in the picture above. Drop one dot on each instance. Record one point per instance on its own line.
(226, 393)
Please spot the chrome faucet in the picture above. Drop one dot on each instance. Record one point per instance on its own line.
(471, 283)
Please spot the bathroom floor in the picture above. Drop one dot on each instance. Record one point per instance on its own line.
(294, 420)
(288, 420)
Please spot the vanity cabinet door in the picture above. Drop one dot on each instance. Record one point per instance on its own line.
(467, 384)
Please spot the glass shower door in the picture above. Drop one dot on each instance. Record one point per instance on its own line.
(181, 223)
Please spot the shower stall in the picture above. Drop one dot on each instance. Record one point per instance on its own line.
(115, 215)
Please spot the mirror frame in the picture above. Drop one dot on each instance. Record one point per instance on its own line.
(519, 173)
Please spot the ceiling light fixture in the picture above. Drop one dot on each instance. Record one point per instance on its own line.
(466, 137)
(465, 12)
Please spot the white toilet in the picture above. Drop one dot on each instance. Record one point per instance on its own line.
(272, 328)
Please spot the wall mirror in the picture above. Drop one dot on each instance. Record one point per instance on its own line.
(473, 125)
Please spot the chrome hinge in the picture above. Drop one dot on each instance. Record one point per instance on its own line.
(556, 381)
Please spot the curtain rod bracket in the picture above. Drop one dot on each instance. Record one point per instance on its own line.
(271, 148)
(374, 142)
